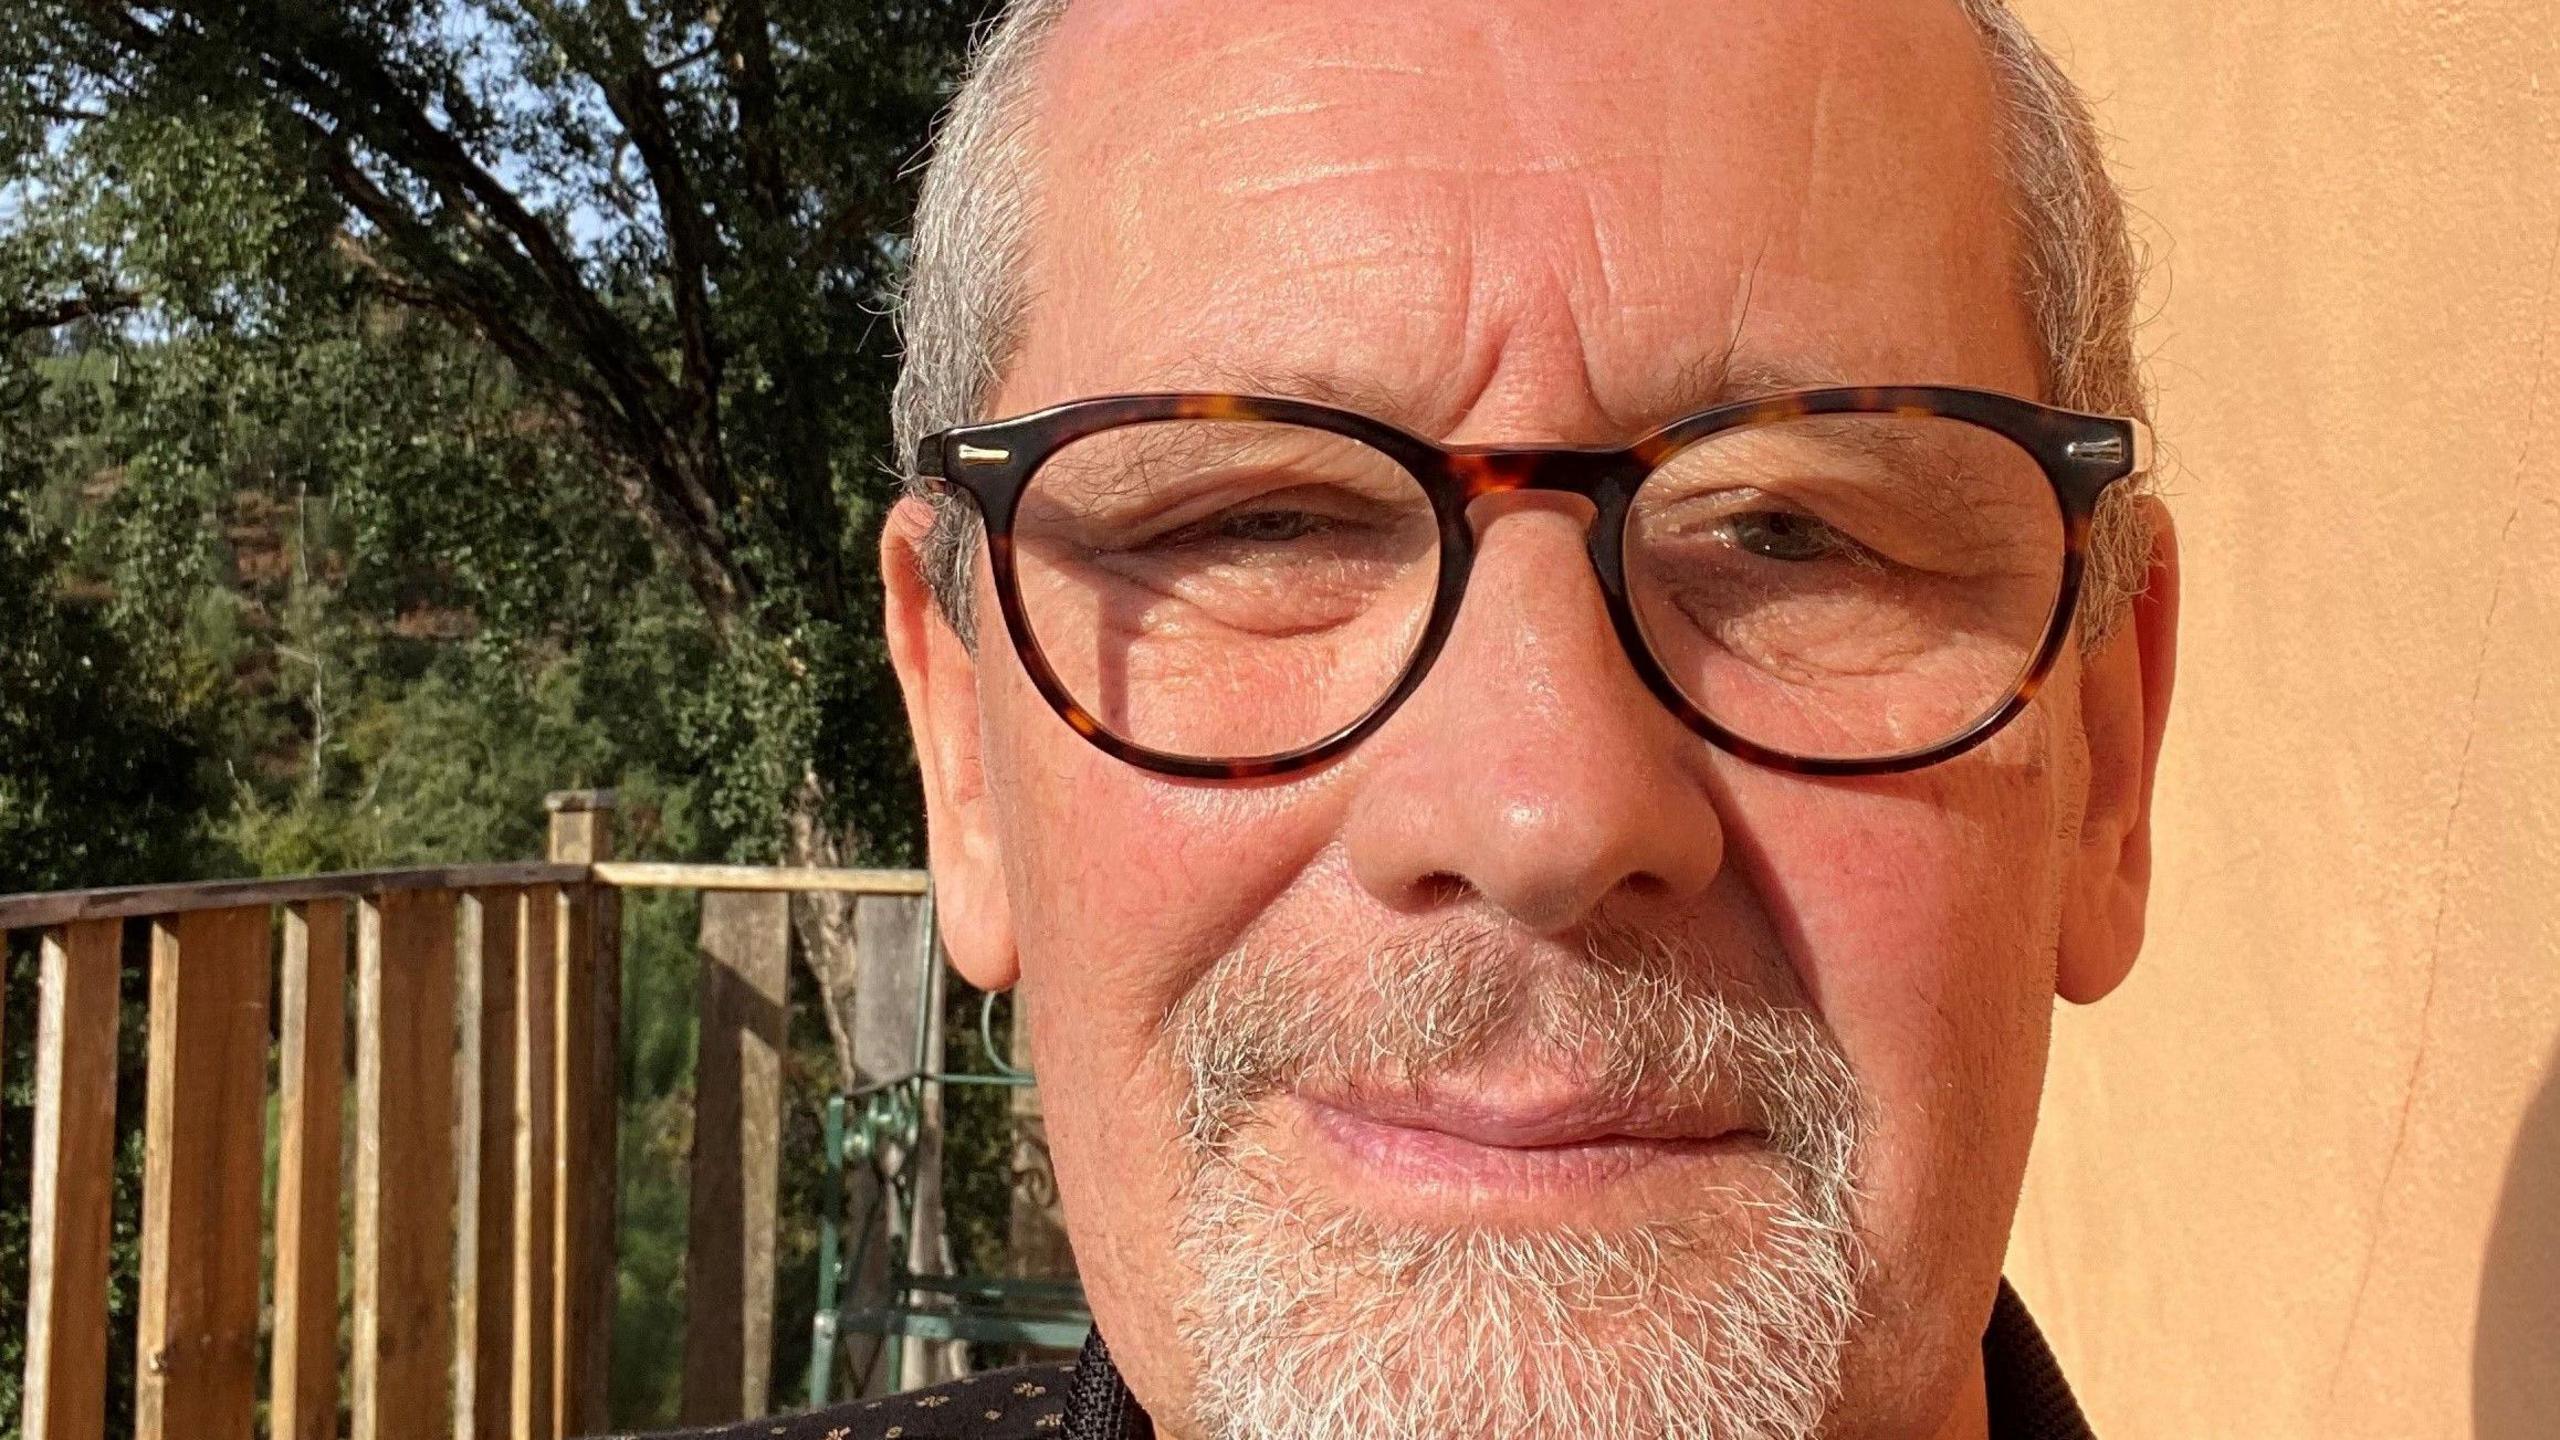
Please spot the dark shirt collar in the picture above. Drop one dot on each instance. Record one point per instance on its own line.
(2029, 1398)
(1099, 1406)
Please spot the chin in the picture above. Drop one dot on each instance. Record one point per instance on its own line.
(1315, 1317)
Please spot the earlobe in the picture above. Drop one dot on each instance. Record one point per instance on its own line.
(938, 676)
(2124, 706)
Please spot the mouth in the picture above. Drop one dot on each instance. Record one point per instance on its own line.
(1542, 1153)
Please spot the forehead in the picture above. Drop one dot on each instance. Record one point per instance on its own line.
(1431, 203)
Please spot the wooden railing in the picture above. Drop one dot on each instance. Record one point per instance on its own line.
(485, 1036)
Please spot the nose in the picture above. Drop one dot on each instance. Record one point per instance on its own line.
(1533, 772)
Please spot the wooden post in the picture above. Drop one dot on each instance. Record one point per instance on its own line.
(311, 1082)
(485, 1166)
(204, 1143)
(737, 1165)
(889, 996)
(532, 1413)
(75, 1136)
(403, 1381)
(588, 1096)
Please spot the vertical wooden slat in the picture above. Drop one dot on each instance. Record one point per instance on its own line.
(404, 1167)
(587, 1119)
(204, 1139)
(311, 1086)
(928, 1362)
(601, 1253)
(737, 1170)
(532, 1413)
(485, 1166)
(74, 1161)
(573, 1310)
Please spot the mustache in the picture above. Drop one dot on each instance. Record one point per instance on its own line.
(1633, 1012)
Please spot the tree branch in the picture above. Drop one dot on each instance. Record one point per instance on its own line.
(640, 471)
(745, 36)
(744, 31)
(654, 418)
(24, 320)
(484, 259)
(372, 105)
(698, 53)
(632, 90)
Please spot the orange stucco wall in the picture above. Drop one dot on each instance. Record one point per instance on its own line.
(2301, 1177)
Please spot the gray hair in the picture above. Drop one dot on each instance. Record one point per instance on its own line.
(961, 313)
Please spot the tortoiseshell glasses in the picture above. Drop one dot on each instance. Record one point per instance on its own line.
(1832, 582)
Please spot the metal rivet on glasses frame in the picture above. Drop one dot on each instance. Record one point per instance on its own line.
(2109, 451)
(980, 455)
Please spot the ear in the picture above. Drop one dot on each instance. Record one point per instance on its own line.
(2124, 710)
(939, 677)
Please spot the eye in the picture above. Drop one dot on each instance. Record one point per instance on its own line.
(1787, 535)
(1265, 527)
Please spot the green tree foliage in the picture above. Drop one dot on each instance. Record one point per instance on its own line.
(672, 220)
(102, 785)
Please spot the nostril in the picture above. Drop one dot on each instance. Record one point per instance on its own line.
(1440, 888)
(1645, 885)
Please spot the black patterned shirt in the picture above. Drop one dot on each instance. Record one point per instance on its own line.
(1087, 1401)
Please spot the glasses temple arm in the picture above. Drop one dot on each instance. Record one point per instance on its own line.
(930, 457)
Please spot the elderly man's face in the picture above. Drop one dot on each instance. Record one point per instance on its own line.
(1536, 1038)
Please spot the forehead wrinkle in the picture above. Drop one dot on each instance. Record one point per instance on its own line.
(1528, 168)
(1323, 53)
(1253, 111)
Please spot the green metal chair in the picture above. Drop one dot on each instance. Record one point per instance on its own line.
(979, 1309)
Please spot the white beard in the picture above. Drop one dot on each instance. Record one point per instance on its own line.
(1315, 1322)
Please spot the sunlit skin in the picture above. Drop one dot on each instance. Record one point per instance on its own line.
(1529, 223)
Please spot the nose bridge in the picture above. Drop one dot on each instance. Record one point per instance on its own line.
(1533, 770)
(1565, 469)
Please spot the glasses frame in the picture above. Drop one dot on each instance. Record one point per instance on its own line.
(992, 464)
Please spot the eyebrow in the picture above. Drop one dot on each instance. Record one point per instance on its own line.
(1702, 383)
(1723, 378)
(1325, 387)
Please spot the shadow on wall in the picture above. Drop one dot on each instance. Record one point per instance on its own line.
(2515, 1356)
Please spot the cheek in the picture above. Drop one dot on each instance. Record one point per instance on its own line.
(1920, 913)
(1898, 900)
(1124, 885)
(1124, 881)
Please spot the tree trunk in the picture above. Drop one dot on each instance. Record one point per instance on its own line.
(823, 920)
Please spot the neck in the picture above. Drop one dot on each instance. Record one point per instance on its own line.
(1970, 1417)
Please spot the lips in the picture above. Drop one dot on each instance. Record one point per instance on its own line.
(1532, 1156)
(1532, 1117)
